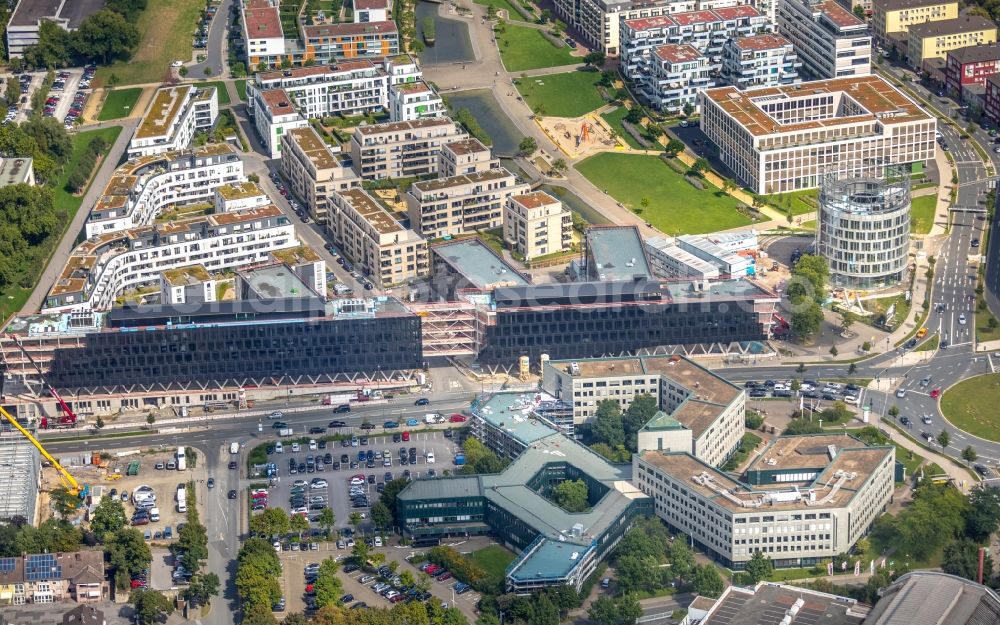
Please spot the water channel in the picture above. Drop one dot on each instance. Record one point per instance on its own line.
(451, 41)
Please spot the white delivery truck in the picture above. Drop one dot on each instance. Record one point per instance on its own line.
(234, 448)
(181, 460)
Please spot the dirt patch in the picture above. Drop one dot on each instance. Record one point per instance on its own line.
(579, 137)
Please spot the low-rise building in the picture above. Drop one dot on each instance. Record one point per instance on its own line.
(780, 139)
(670, 261)
(173, 116)
(613, 254)
(187, 285)
(461, 204)
(142, 189)
(536, 224)
(263, 38)
(26, 21)
(802, 500)
(370, 235)
(831, 41)
(414, 100)
(402, 149)
(970, 66)
(51, 577)
(760, 61)
(16, 170)
(894, 17)
(468, 265)
(933, 40)
(465, 156)
(314, 170)
(307, 265)
(327, 44)
(769, 601)
(935, 597)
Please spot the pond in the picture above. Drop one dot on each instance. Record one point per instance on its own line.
(491, 117)
(575, 204)
(451, 37)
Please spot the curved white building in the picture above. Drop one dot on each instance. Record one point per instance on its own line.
(864, 228)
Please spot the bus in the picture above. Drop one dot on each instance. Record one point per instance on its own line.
(181, 461)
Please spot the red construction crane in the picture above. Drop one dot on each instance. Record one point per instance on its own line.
(68, 418)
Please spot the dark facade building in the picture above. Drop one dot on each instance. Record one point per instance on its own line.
(971, 66)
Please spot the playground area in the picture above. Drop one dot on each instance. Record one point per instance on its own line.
(580, 137)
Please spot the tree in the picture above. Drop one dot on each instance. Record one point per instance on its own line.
(617, 454)
(834, 351)
(381, 515)
(707, 581)
(327, 586)
(894, 411)
(545, 15)
(638, 414)
(150, 606)
(354, 520)
(571, 495)
(608, 427)
(624, 610)
(859, 11)
(150, 419)
(729, 185)
(595, 59)
(759, 568)
(635, 115)
(256, 614)
(257, 574)
(688, 109)
(327, 519)
(674, 147)
(99, 424)
(559, 166)
(202, 588)
(298, 523)
(969, 454)
(360, 553)
(807, 317)
(12, 93)
(64, 502)
(654, 131)
(682, 562)
(982, 517)
(107, 36)
(109, 517)
(961, 557)
(847, 319)
(527, 146)
(270, 522)
(943, 438)
(700, 166)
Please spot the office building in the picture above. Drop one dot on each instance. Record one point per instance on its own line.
(780, 139)
(768, 602)
(103, 268)
(461, 204)
(144, 188)
(402, 149)
(802, 500)
(466, 156)
(669, 260)
(16, 170)
(536, 224)
(969, 67)
(173, 117)
(676, 73)
(28, 16)
(555, 547)
(937, 598)
(370, 235)
(863, 229)
(262, 35)
(933, 40)
(891, 19)
(831, 41)
(760, 61)
(327, 44)
(50, 577)
(314, 170)
(700, 413)
(469, 265)
(414, 100)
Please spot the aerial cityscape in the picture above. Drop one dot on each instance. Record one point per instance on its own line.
(499, 312)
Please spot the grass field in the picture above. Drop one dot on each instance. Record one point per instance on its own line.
(614, 119)
(524, 48)
(675, 207)
(922, 211)
(220, 88)
(166, 29)
(501, 4)
(562, 95)
(493, 559)
(800, 202)
(970, 405)
(241, 88)
(119, 103)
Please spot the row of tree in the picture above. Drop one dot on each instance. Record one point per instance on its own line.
(806, 292)
(549, 606)
(18, 536)
(479, 459)
(108, 35)
(258, 571)
(407, 613)
(614, 434)
(648, 559)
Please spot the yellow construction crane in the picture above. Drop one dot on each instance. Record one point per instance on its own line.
(68, 480)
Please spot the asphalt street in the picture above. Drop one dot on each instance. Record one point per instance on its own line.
(216, 42)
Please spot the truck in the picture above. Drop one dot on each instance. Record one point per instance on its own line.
(336, 400)
(181, 459)
(234, 448)
(285, 432)
(459, 459)
(433, 418)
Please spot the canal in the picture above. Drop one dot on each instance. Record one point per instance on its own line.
(451, 41)
(491, 117)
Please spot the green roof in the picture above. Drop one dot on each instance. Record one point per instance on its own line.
(662, 421)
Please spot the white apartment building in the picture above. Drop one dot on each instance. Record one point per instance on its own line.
(706, 30)
(461, 204)
(804, 499)
(262, 34)
(402, 149)
(760, 61)
(669, 260)
(371, 11)
(402, 68)
(101, 268)
(677, 72)
(414, 100)
(239, 196)
(370, 235)
(173, 116)
(780, 139)
(273, 116)
(831, 41)
(536, 224)
(314, 170)
(701, 413)
(466, 156)
(143, 188)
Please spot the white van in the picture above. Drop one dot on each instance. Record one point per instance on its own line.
(430, 457)
(154, 515)
(234, 448)
(278, 449)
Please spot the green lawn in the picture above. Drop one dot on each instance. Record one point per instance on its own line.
(220, 88)
(119, 103)
(675, 207)
(614, 119)
(562, 95)
(166, 29)
(903, 455)
(524, 48)
(929, 345)
(970, 406)
(241, 88)
(501, 5)
(922, 211)
(494, 560)
(800, 202)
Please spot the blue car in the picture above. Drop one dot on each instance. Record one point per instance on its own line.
(412, 422)
(362, 456)
(390, 425)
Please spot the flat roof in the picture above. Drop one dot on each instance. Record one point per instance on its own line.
(276, 282)
(762, 42)
(769, 603)
(897, 5)
(873, 93)
(513, 414)
(299, 255)
(963, 24)
(799, 452)
(368, 206)
(313, 147)
(535, 199)
(480, 265)
(549, 559)
(923, 597)
(461, 180)
(647, 23)
(837, 14)
(361, 5)
(466, 146)
(167, 104)
(278, 102)
(262, 23)
(417, 86)
(186, 276)
(429, 122)
(239, 190)
(349, 29)
(29, 12)
(14, 170)
(617, 252)
(677, 53)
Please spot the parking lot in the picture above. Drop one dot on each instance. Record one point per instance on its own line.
(385, 459)
(66, 99)
(813, 392)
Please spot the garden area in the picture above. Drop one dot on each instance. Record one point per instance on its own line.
(166, 29)
(970, 406)
(241, 88)
(493, 559)
(796, 202)
(660, 195)
(615, 119)
(523, 48)
(922, 211)
(562, 95)
(119, 103)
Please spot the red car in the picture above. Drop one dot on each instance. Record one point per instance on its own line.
(457, 418)
(406, 436)
(936, 393)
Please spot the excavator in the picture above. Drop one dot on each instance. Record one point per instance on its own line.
(68, 418)
(68, 480)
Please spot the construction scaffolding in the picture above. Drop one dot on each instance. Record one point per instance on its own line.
(452, 328)
(21, 467)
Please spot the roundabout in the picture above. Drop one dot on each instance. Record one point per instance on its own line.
(973, 405)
